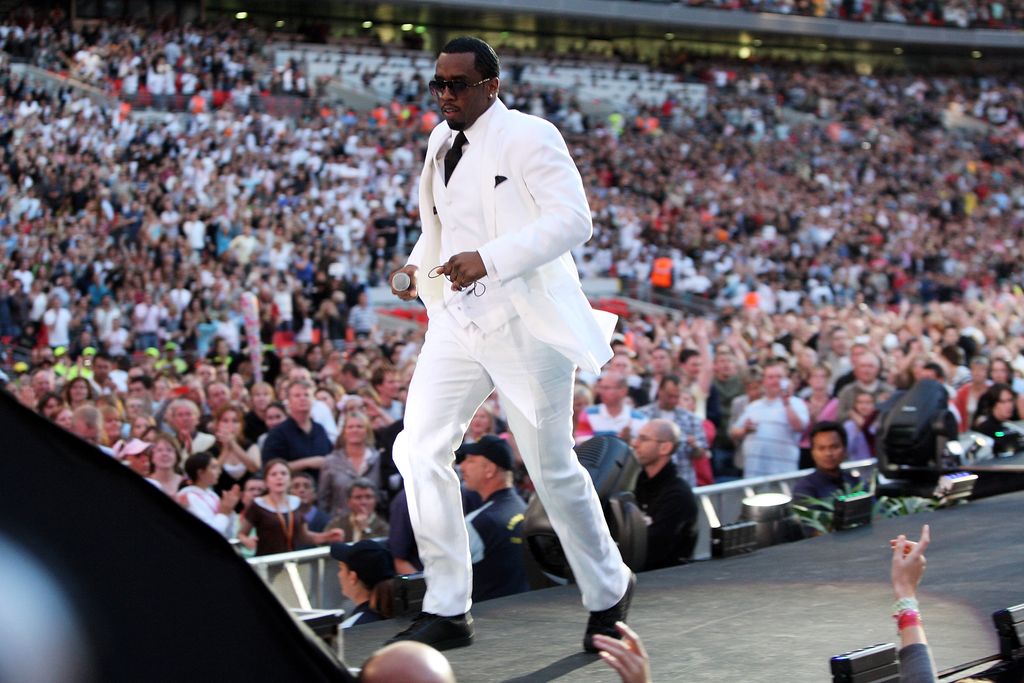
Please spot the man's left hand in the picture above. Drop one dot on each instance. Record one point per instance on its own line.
(463, 269)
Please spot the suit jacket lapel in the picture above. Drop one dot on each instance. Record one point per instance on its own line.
(427, 250)
(492, 152)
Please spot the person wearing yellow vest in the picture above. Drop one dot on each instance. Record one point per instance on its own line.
(171, 359)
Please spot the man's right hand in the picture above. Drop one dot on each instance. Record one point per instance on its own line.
(407, 294)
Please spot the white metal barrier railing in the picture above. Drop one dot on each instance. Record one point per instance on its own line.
(306, 578)
(722, 503)
(301, 578)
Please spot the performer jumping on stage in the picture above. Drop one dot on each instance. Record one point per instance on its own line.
(501, 203)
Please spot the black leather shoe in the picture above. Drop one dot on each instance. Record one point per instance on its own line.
(441, 633)
(603, 622)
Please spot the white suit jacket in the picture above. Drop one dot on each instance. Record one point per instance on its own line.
(536, 211)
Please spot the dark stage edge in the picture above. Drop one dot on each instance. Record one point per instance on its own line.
(778, 614)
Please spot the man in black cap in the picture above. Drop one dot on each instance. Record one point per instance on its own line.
(496, 527)
(365, 570)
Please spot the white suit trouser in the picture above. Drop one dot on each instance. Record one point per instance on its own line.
(457, 369)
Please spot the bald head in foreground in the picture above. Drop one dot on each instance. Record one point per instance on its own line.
(407, 661)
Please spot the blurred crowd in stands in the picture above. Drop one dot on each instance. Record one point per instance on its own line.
(832, 237)
(956, 14)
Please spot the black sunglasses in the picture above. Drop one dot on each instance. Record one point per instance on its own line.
(438, 86)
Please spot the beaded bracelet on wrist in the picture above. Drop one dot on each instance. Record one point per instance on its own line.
(904, 604)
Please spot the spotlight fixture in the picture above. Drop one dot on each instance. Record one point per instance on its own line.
(955, 486)
(771, 513)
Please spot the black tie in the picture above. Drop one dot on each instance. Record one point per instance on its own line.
(452, 156)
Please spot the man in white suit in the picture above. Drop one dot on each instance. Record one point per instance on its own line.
(501, 203)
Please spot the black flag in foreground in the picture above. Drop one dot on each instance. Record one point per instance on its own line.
(105, 578)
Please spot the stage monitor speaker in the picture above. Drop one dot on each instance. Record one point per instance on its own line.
(1010, 627)
(852, 510)
(153, 593)
(875, 664)
(610, 463)
(408, 591)
(733, 539)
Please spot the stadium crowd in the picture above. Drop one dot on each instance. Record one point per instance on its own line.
(848, 235)
(957, 14)
(123, 59)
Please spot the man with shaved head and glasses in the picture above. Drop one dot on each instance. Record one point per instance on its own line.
(502, 205)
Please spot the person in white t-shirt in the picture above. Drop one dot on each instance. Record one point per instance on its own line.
(147, 317)
(57, 320)
(614, 416)
(218, 512)
(770, 427)
(106, 317)
(195, 231)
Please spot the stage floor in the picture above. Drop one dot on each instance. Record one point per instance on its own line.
(778, 614)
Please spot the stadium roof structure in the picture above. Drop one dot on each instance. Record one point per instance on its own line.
(613, 20)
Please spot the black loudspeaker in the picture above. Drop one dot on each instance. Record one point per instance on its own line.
(629, 529)
(611, 465)
(130, 585)
(609, 461)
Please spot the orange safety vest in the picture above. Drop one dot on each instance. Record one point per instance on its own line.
(661, 272)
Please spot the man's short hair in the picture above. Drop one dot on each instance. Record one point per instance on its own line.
(380, 373)
(485, 58)
(954, 354)
(304, 383)
(687, 354)
(197, 463)
(668, 431)
(829, 426)
(186, 403)
(616, 377)
(88, 413)
(362, 483)
(145, 380)
(669, 379)
(936, 369)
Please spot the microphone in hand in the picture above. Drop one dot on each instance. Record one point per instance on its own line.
(401, 281)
